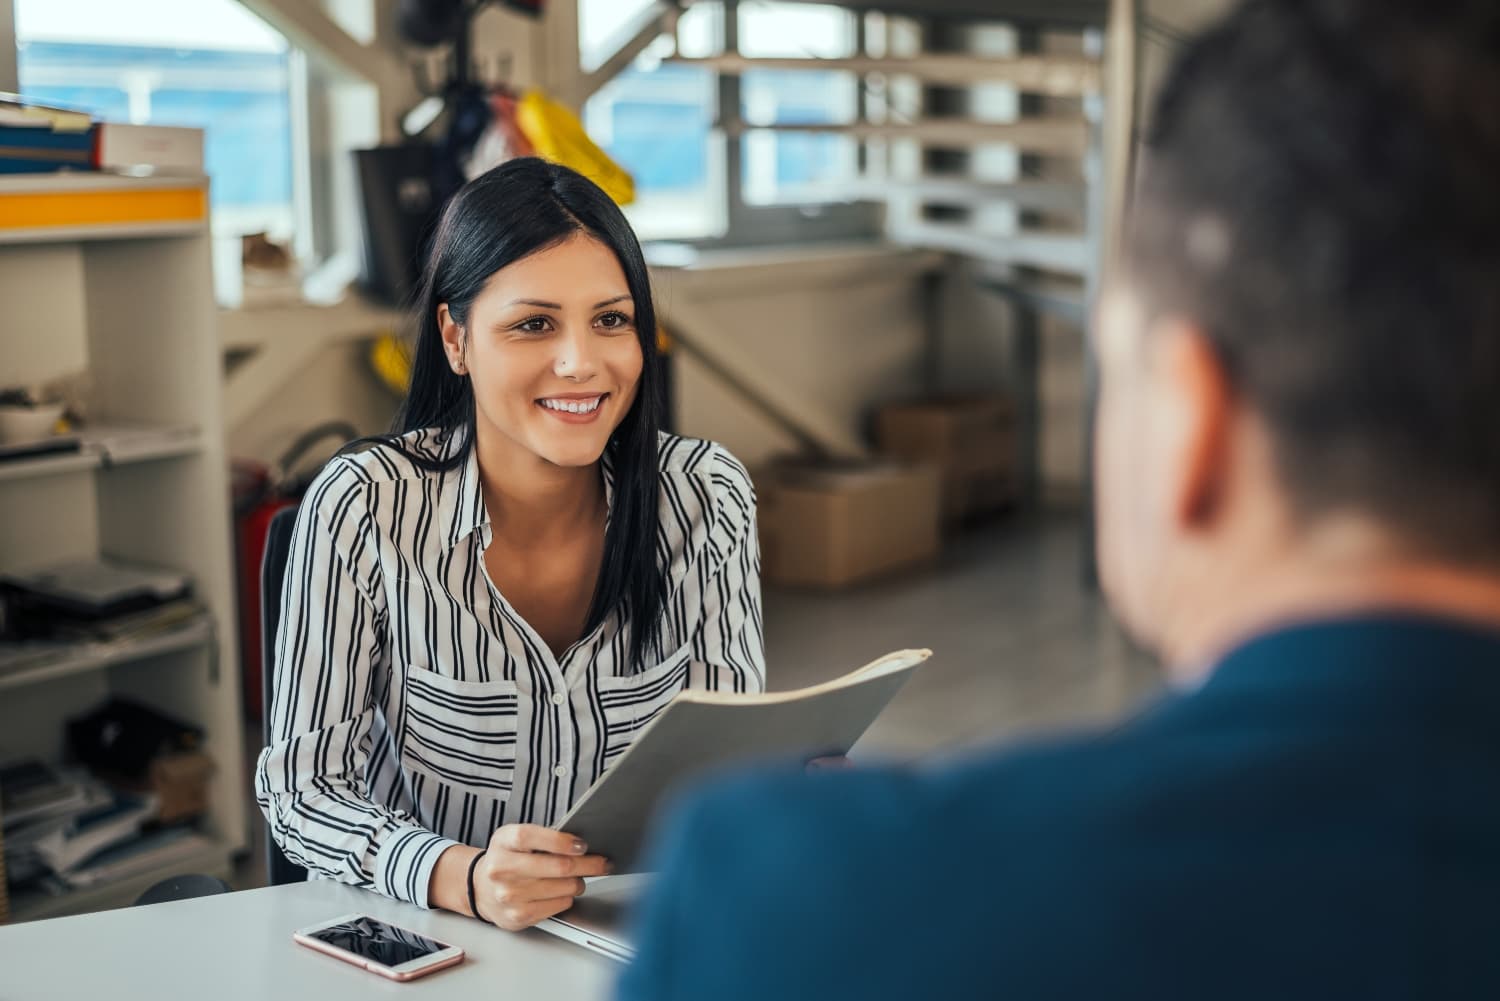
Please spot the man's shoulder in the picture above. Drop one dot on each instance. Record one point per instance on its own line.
(824, 867)
(1016, 793)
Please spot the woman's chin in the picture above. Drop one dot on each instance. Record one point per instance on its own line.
(586, 451)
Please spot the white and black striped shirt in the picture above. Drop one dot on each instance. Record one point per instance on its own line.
(414, 709)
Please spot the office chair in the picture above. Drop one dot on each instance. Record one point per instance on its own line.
(182, 888)
(279, 869)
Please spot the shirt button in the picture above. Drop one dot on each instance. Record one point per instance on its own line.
(559, 698)
(561, 771)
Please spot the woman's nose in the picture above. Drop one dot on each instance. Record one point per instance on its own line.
(576, 358)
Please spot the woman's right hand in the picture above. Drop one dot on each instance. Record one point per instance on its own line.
(529, 873)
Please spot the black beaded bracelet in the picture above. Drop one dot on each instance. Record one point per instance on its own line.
(472, 905)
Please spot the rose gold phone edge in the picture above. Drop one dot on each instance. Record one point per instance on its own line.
(302, 937)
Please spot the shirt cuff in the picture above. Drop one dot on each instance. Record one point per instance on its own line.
(403, 866)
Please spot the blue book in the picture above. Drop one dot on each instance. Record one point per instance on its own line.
(38, 138)
(31, 148)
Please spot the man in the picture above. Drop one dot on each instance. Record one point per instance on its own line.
(1299, 446)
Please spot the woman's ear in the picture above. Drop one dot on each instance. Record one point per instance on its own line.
(454, 340)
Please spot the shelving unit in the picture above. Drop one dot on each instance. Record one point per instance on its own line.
(80, 658)
(105, 451)
(35, 905)
(111, 275)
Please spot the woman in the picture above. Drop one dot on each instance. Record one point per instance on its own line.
(483, 609)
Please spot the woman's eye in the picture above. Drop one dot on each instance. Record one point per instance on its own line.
(535, 325)
(614, 321)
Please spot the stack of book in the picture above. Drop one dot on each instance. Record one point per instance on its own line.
(34, 137)
(65, 831)
(50, 611)
(38, 138)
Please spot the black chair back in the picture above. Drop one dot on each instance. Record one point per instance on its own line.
(279, 869)
(182, 888)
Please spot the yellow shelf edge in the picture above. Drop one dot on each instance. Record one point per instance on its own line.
(68, 209)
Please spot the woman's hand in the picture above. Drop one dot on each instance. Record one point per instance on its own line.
(529, 873)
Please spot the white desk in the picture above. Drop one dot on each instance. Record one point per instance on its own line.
(239, 945)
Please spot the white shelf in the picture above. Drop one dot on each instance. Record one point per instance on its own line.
(104, 448)
(36, 905)
(75, 182)
(122, 231)
(1055, 76)
(1056, 136)
(84, 657)
(53, 464)
(150, 482)
(1069, 197)
(1064, 253)
(90, 205)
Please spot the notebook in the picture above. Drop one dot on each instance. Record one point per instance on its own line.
(699, 732)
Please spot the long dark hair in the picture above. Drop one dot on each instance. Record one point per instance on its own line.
(506, 214)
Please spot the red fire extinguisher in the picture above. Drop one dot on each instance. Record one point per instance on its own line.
(259, 492)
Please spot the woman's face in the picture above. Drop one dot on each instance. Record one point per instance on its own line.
(552, 351)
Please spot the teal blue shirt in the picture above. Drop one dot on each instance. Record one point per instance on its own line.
(1321, 819)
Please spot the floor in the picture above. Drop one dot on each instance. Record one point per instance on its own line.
(1019, 646)
(1018, 643)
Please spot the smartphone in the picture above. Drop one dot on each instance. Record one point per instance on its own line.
(378, 947)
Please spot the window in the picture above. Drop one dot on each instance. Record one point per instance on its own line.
(204, 63)
(657, 120)
(791, 166)
(660, 121)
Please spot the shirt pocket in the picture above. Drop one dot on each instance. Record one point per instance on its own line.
(630, 703)
(462, 733)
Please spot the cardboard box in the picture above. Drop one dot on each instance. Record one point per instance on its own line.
(181, 784)
(830, 527)
(971, 440)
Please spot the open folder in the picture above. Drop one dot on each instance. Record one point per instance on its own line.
(700, 731)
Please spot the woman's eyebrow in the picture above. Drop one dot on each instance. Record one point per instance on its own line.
(543, 304)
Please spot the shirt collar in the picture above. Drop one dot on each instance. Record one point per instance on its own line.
(1372, 649)
(462, 500)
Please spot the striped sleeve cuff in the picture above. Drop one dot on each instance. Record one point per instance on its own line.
(403, 866)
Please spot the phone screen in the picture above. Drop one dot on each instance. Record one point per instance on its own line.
(378, 942)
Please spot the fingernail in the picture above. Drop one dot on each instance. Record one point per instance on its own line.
(579, 848)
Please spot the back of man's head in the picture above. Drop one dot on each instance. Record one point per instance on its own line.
(1321, 197)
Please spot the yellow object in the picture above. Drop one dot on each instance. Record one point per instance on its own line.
(392, 363)
(58, 209)
(557, 135)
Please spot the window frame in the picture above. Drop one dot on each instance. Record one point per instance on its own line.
(318, 238)
(793, 220)
(780, 222)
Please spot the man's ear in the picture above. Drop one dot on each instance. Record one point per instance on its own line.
(1200, 401)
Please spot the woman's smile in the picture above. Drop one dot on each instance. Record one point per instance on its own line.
(573, 408)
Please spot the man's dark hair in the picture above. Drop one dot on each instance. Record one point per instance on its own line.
(1320, 192)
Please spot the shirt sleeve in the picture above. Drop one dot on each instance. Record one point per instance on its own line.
(310, 780)
(729, 646)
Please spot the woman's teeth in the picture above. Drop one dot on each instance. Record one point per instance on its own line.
(574, 406)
